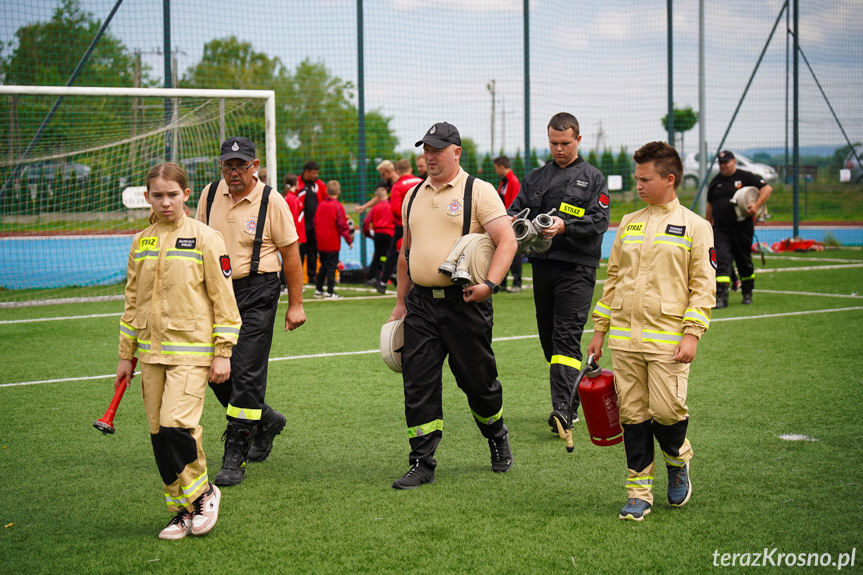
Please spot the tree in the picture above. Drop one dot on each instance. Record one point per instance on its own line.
(228, 63)
(624, 168)
(46, 53)
(592, 159)
(606, 163)
(316, 118)
(684, 120)
(518, 165)
(486, 171)
(468, 155)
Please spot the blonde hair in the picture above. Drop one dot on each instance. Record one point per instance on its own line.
(386, 166)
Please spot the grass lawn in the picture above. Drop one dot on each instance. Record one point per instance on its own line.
(75, 501)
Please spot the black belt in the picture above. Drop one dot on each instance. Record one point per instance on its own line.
(439, 292)
(250, 281)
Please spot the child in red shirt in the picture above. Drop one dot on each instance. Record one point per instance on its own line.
(330, 227)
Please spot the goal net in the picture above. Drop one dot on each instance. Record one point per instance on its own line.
(71, 181)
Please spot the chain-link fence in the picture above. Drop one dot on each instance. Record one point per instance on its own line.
(408, 64)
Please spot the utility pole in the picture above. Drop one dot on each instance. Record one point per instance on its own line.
(702, 111)
(490, 87)
(670, 122)
(502, 124)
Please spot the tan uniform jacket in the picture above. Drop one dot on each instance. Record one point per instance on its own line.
(661, 280)
(180, 306)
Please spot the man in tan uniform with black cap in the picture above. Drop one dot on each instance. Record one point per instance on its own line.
(443, 319)
(258, 227)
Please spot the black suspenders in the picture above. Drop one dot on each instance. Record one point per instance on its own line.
(468, 204)
(259, 230)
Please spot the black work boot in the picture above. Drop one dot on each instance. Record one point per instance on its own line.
(237, 437)
(272, 423)
(721, 297)
(501, 453)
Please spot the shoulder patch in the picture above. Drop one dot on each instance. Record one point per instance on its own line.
(225, 263)
(186, 243)
(604, 200)
(673, 230)
(713, 258)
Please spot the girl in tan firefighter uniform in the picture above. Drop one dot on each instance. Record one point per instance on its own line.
(182, 319)
(655, 306)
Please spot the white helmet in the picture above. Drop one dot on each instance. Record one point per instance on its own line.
(392, 340)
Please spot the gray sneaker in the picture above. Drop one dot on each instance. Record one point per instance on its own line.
(635, 509)
(679, 485)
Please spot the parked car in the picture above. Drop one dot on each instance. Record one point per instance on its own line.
(690, 169)
(46, 172)
(853, 164)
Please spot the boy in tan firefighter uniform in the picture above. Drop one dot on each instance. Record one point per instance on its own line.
(655, 306)
(182, 319)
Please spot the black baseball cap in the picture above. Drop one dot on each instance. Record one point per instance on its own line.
(441, 135)
(237, 147)
(725, 155)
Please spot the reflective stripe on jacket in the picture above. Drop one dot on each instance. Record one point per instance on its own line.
(180, 306)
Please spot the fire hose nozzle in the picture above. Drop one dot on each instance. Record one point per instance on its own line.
(541, 223)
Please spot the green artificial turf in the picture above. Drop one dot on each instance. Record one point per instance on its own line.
(75, 501)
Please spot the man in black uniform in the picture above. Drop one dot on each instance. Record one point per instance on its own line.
(565, 275)
(443, 319)
(733, 239)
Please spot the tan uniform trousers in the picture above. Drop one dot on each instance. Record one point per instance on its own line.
(651, 386)
(174, 400)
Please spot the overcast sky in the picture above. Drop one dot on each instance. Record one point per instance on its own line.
(603, 60)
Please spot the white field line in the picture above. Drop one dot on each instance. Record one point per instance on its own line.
(391, 294)
(776, 291)
(807, 268)
(508, 338)
(804, 259)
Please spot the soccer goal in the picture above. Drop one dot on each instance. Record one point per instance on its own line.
(72, 167)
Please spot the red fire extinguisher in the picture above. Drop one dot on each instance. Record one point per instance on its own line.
(598, 403)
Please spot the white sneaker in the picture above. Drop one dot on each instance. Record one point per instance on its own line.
(179, 527)
(319, 293)
(206, 511)
(332, 296)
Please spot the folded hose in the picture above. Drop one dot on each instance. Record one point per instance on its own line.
(469, 259)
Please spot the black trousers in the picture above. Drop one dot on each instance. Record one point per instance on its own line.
(243, 393)
(392, 255)
(435, 329)
(734, 246)
(329, 263)
(562, 293)
(309, 253)
(379, 259)
(515, 270)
